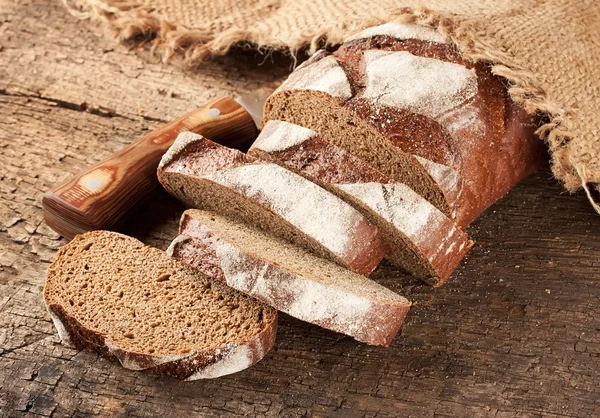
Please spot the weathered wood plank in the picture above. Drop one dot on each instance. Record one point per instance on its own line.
(514, 333)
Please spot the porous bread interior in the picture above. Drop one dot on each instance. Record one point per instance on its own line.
(289, 257)
(334, 123)
(146, 302)
(205, 194)
(402, 252)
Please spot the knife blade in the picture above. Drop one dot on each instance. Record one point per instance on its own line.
(106, 194)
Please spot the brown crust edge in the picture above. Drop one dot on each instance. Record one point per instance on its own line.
(380, 325)
(182, 368)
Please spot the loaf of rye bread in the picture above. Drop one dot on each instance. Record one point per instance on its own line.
(111, 293)
(289, 278)
(401, 97)
(422, 240)
(209, 176)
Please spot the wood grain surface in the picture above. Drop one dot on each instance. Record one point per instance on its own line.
(515, 332)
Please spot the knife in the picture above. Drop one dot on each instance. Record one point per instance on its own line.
(104, 195)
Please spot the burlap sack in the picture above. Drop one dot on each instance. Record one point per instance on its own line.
(549, 50)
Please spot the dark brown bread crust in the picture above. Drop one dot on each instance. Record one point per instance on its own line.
(490, 161)
(184, 368)
(332, 168)
(190, 163)
(487, 164)
(197, 246)
(412, 133)
(190, 367)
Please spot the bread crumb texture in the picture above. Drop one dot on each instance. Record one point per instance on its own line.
(114, 294)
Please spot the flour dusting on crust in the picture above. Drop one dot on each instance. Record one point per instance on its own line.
(238, 268)
(469, 116)
(182, 141)
(467, 127)
(279, 136)
(63, 334)
(402, 31)
(399, 205)
(133, 361)
(179, 240)
(449, 247)
(421, 85)
(309, 300)
(326, 305)
(446, 177)
(324, 75)
(234, 358)
(414, 216)
(297, 200)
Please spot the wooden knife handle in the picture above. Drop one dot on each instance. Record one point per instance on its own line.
(102, 196)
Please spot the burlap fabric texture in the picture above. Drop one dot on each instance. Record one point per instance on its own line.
(549, 50)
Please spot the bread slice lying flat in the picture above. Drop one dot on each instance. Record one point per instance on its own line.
(210, 176)
(422, 240)
(111, 293)
(289, 278)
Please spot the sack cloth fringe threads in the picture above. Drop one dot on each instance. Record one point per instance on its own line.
(547, 50)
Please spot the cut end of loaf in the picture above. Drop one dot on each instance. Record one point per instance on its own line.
(334, 123)
(111, 293)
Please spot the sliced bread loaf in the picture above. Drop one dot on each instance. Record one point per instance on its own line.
(206, 175)
(403, 99)
(111, 293)
(422, 240)
(289, 278)
(314, 96)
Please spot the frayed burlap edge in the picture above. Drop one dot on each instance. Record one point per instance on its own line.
(133, 25)
(524, 89)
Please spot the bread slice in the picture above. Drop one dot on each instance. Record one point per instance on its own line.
(401, 97)
(206, 175)
(111, 293)
(422, 240)
(289, 278)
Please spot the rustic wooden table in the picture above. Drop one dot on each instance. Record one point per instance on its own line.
(516, 332)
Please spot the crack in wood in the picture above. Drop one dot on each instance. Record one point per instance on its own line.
(80, 107)
(25, 345)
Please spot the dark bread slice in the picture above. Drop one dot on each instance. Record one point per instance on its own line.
(422, 240)
(403, 99)
(207, 175)
(125, 300)
(289, 278)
